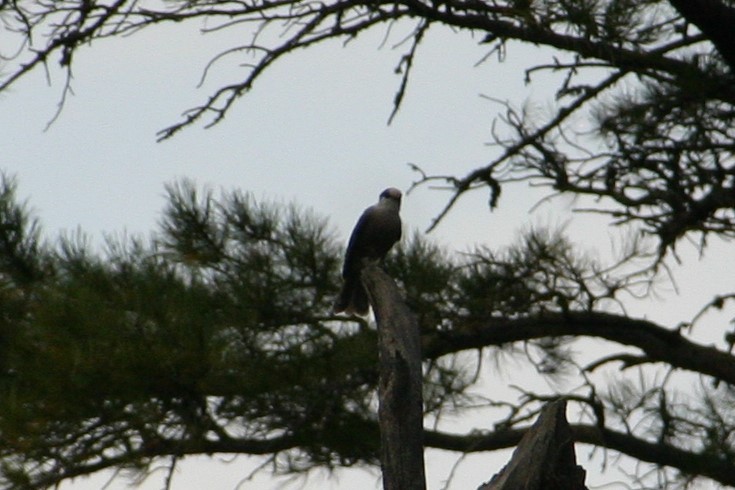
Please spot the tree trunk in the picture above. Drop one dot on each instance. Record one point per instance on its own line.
(400, 393)
(544, 459)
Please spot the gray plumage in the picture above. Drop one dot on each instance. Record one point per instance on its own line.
(376, 231)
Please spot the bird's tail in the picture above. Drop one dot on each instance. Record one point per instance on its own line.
(353, 298)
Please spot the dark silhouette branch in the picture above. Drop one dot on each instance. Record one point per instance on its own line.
(163, 448)
(307, 23)
(715, 20)
(662, 454)
(658, 343)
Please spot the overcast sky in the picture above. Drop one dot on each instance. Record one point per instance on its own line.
(313, 132)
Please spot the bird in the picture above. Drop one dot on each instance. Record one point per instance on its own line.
(377, 230)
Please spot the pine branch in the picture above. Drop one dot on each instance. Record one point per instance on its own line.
(659, 344)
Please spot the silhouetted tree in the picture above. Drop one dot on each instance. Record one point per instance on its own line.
(216, 336)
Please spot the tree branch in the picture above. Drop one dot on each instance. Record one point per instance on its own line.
(658, 343)
(517, 25)
(165, 448)
(716, 20)
(718, 469)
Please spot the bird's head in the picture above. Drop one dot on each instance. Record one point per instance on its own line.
(391, 193)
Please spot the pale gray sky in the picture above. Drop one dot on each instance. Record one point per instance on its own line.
(313, 131)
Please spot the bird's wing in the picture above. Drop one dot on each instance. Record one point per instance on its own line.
(356, 248)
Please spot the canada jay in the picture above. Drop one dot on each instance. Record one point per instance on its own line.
(376, 231)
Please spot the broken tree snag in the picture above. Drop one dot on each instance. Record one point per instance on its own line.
(401, 414)
(544, 459)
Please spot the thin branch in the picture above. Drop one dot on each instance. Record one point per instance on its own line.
(484, 174)
(404, 67)
(170, 473)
